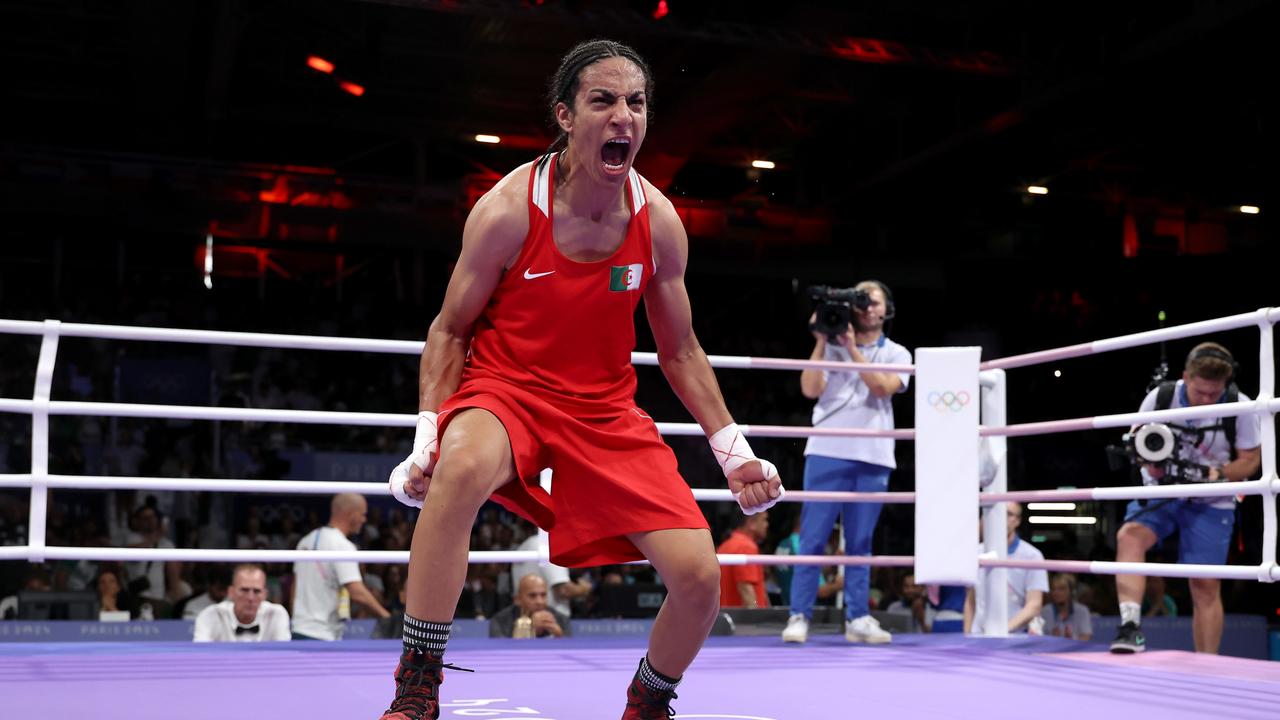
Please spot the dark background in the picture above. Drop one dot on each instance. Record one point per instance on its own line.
(904, 134)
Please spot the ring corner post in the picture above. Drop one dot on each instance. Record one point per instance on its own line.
(946, 452)
(1266, 393)
(40, 441)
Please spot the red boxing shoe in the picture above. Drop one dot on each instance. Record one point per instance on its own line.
(644, 703)
(418, 679)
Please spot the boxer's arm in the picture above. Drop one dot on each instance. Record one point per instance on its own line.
(666, 300)
(755, 484)
(493, 235)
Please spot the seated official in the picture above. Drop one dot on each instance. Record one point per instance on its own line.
(1027, 588)
(1065, 616)
(530, 604)
(246, 615)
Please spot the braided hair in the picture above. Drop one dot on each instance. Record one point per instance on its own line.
(564, 84)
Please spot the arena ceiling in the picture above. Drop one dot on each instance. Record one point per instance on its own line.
(865, 107)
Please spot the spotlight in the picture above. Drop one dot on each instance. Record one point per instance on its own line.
(352, 88)
(660, 11)
(489, 139)
(1051, 506)
(1037, 190)
(208, 261)
(315, 62)
(1249, 209)
(763, 164)
(1061, 520)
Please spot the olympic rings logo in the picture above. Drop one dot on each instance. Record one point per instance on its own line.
(947, 400)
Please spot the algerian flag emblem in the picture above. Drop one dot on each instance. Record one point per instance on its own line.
(625, 277)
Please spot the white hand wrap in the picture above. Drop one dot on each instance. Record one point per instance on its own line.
(423, 455)
(730, 447)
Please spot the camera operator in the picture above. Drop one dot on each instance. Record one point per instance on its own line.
(1205, 451)
(847, 400)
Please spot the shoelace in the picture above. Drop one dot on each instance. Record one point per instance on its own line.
(416, 677)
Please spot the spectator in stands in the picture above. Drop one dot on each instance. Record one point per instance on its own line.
(393, 582)
(529, 610)
(913, 605)
(253, 538)
(480, 598)
(245, 616)
(126, 457)
(1065, 616)
(216, 593)
(743, 585)
(1156, 602)
(154, 582)
(789, 545)
(112, 598)
(323, 591)
(288, 536)
(563, 589)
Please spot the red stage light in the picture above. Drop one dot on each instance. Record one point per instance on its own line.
(315, 62)
(352, 88)
(661, 10)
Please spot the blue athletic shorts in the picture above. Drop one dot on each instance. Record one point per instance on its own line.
(1204, 531)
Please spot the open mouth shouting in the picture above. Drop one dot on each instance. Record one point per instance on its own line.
(613, 156)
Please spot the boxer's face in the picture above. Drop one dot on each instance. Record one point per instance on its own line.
(607, 122)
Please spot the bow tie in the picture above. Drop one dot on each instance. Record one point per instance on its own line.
(240, 629)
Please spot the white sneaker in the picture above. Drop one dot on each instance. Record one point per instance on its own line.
(866, 629)
(797, 630)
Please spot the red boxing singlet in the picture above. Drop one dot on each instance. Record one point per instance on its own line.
(562, 329)
(551, 360)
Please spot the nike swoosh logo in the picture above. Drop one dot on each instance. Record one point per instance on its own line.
(529, 276)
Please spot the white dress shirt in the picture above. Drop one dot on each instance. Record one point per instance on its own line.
(218, 623)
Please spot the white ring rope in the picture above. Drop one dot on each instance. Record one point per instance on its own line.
(1150, 337)
(99, 554)
(400, 347)
(40, 407)
(325, 487)
(1262, 406)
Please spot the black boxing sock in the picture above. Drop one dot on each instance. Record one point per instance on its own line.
(655, 680)
(425, 637)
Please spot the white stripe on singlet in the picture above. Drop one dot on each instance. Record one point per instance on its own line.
(541, 184)
(637, 192)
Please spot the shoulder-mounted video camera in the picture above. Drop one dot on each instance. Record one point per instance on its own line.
(1161, 445)
(835, 307)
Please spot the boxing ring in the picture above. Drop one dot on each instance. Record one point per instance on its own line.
(748, 678)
